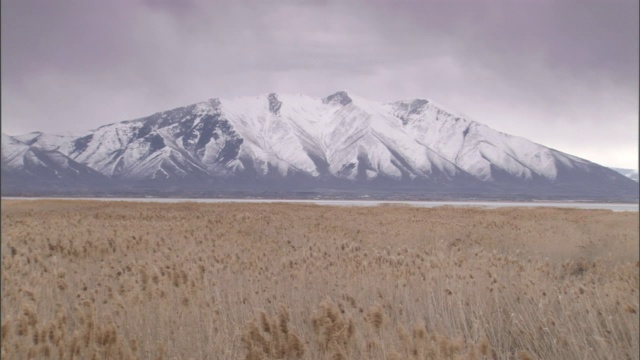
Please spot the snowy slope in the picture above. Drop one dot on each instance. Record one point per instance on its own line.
(476, 148)
(22, 164)
(13, 151)
(341, 132)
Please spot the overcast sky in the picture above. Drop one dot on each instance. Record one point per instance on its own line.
(558, 72)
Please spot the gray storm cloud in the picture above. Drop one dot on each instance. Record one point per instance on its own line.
(561, 73)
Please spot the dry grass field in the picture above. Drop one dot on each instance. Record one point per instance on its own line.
(118, 280)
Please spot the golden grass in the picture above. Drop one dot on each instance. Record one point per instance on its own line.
(116, 280)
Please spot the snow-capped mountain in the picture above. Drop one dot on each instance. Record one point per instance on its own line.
(342, 141)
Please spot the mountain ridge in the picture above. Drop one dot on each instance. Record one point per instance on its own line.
(276, 141)
(630, 173)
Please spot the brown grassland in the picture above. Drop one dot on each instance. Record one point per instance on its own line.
(121, 280)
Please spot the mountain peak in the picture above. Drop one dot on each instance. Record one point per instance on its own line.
(411, 106)
(338, 98)
(215, 102)
(274, 103)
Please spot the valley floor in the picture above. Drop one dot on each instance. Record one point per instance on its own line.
(84, 279)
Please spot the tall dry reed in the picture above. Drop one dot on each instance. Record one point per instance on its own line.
(113, 280)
